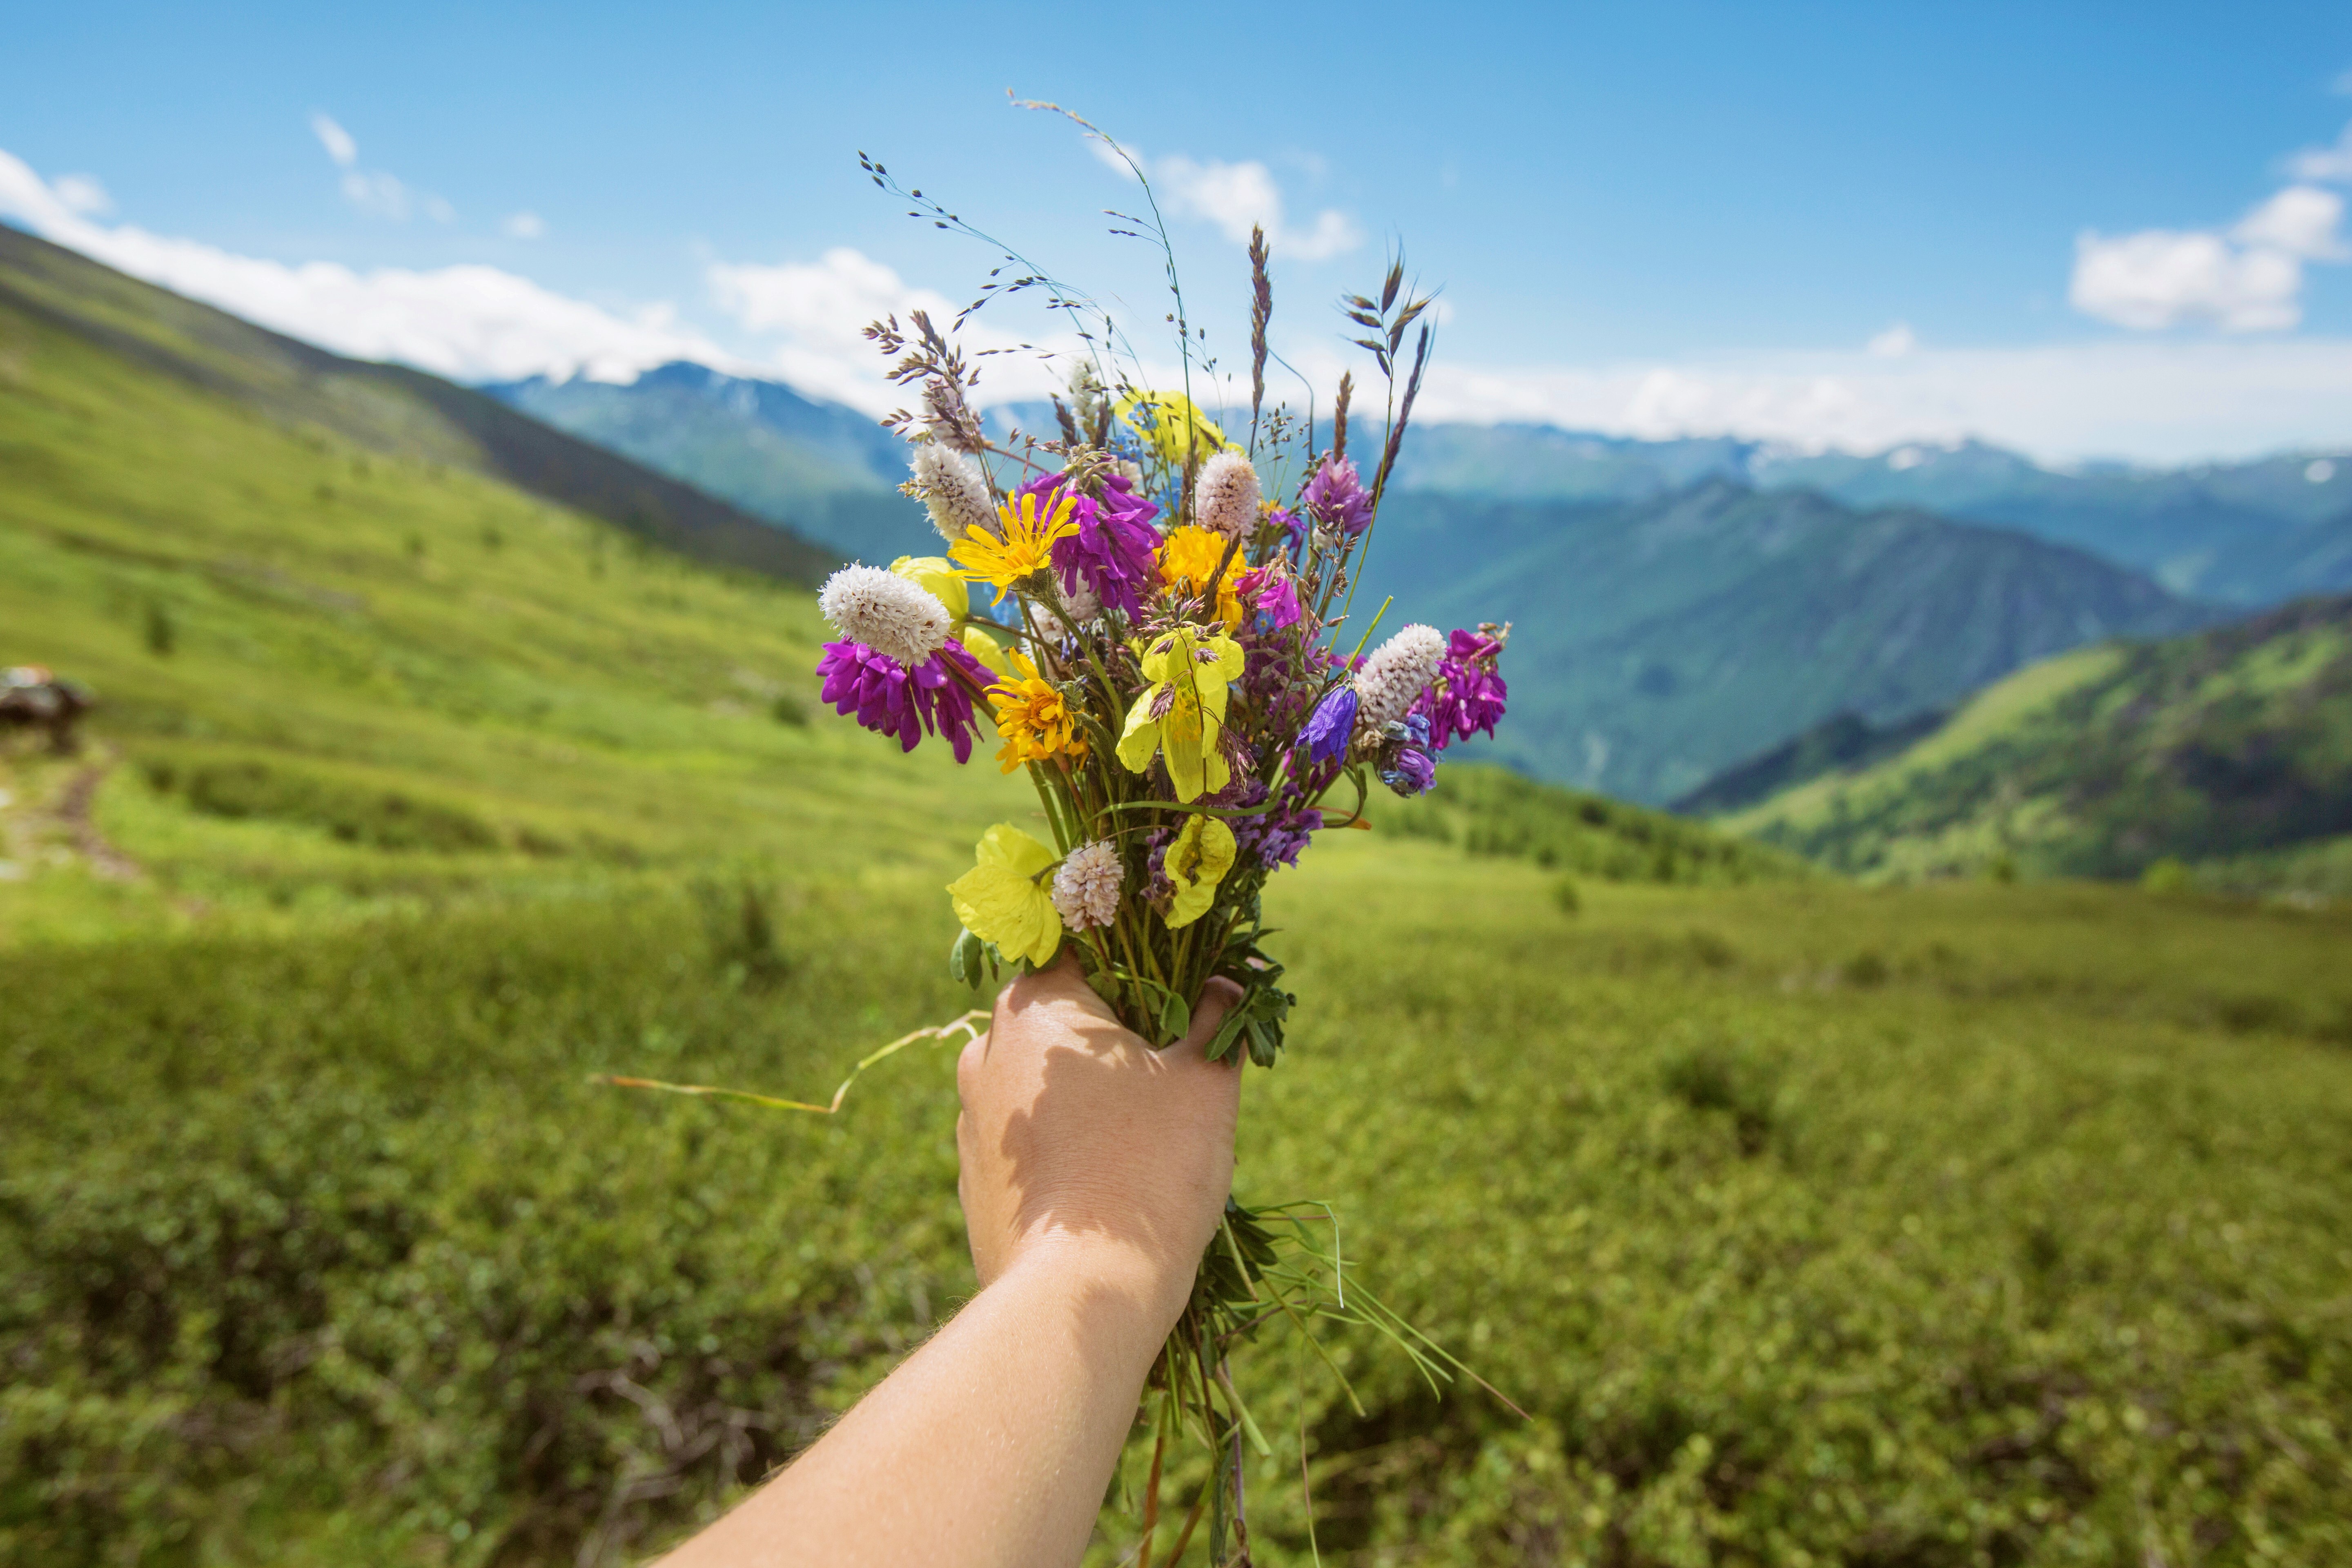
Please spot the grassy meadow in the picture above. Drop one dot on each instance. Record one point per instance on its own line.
(1810, 1223)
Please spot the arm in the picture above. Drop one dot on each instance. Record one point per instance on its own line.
(1094, 1172)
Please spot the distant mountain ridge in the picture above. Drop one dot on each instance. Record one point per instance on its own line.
(385, 408)
(1656, 642)
(2249, 533)
(2228, 745)
(823, 468)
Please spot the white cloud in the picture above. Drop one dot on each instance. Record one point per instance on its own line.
(336, 141)
(1893, 342)
(2248, 279)
(84, 195)
(524, 226)
(2161, 401)
(373, 190)
(470, 322)
(2300, 220)
(376, 193)
(815, 312)
(2333, 163)
(1236, 198)
(2164, 278)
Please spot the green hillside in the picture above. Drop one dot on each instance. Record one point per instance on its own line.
(2231, 748)
(385, 410)
(1655, 643)
(332, 676)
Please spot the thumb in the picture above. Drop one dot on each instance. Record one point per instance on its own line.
(1218, 997)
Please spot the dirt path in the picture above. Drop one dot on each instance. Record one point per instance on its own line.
(74, 812)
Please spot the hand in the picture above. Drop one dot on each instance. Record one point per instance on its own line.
(1082, 1144)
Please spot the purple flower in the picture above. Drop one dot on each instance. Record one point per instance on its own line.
(1414, 766)
(890, 699)
(1272, 595)
(1328, 727)
(1337, 497)
(1469, 694)
(1275, 837)
(1112, 551)
(1293, 526)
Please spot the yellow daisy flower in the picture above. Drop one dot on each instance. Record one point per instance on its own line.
(1032, 717)
(1182, 714)
(1195, 863)
(999, 899)
(1025, 549)
(1189, 556)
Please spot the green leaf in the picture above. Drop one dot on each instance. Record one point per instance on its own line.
(964, 959)
(1175, 1019)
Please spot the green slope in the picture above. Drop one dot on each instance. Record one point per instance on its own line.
(389, 410)
(305, 649)
(2229, 746)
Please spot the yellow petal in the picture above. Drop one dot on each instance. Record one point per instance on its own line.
(1142, 737)
(1195, 863)
(999, 899)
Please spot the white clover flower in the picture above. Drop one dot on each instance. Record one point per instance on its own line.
(1398, 671)
(1086, 888)
(885, 612)
(954, 493)
(1082, 603)
(1225, 497)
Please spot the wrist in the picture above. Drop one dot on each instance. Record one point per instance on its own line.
(1118, 1286)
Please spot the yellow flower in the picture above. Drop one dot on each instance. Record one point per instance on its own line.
(1000, 900)
(1032, 717)
(1196, 862)
(1191, 556)
(1026, 548)
(985, 649)
(1182, 714)
(935, 576)
(1169, 419)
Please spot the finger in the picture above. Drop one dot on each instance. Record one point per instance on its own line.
(1218, 997)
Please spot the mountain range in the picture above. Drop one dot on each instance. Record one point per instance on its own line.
(817, 467)
(1655, 642)
(2249, 533)
(1675, 612)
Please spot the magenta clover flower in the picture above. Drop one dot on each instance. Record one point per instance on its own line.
(1112, 554)
(1469, 694)
(890, 699)
(1272, 595)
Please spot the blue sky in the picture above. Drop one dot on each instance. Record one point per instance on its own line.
(2082, 230)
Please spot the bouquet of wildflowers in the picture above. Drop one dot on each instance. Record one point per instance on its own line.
(1154, 619)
